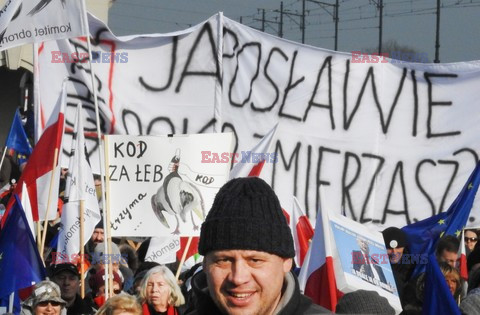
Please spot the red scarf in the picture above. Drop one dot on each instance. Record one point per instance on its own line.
(170, 310)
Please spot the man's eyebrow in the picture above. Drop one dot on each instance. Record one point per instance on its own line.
(220, 255)
(255, 255)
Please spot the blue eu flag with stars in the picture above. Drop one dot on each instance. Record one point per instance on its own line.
(438, 299)
(20, 262)
(423, 235)
(17, 138)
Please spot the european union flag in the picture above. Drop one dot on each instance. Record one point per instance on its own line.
(17, 138)
(20, 262)
(423, 235)
(437, 299)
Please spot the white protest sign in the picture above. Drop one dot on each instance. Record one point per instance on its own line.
(389, 142)
(363, 262)
(156, 95)
(163, 250)
(160, 185)
(28, 21)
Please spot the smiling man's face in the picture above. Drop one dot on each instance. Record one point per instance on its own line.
(246, 281)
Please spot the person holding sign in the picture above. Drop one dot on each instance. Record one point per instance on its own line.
(248, 249)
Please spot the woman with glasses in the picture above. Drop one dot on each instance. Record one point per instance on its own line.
(160, 293)
(470, 239)
(45, 300)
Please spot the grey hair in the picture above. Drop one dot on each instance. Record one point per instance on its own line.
(176, 296)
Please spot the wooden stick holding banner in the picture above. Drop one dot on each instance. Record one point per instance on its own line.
(184, 256)
(39, 234)
(11, 299)
(36, 108)
(49, 201)
(110, 266)
(82, 249)
(106, 221)
(106, 214)
(3, 156)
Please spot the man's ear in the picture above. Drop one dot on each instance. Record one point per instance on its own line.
(287, 264)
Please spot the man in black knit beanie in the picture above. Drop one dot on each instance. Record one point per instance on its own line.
(248, 249)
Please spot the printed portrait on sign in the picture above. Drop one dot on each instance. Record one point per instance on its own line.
(365, 259)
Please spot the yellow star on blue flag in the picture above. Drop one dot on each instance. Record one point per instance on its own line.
(423, 235)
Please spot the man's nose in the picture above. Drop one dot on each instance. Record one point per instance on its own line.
(240, 273)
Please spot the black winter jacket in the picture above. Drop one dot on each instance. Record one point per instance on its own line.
(292, 301)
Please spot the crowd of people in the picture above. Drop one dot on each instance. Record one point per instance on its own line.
(411, 286)
(247, 268)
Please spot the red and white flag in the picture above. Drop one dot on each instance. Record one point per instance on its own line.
(37, 175)
(192, 249)
(302, 232)
(317, 276)
(250, 163)
(28, 209)
(463, 258)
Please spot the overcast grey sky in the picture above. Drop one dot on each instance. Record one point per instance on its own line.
(409, 22)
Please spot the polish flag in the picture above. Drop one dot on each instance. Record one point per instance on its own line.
(37, 175)
(317, 276)
(302, 232)
(192, 249)
(28, 209)
(244, 167)
(463, 258)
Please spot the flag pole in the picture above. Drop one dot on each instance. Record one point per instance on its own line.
(107, 218)
(3, 156)
(106, 221)
(184, 256)
(52, 179)
(81, 209)
(11, 299)
(82, 249)
(39, 234)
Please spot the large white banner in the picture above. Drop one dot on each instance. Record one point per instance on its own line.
(390, 143)
(162, 185)
(28, 21)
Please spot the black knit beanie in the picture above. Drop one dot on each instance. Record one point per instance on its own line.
(394, 237)
(246, 214)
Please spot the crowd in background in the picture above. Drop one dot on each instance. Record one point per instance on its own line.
(145, 287)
